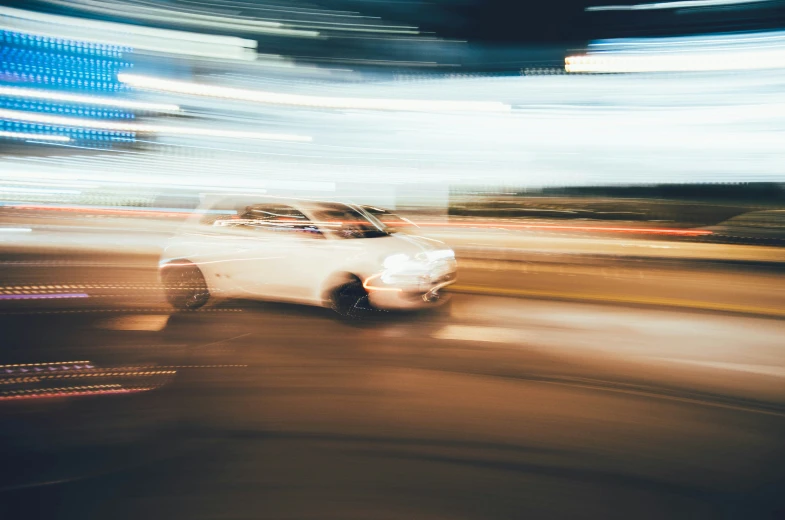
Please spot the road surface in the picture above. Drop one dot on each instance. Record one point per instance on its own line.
(492, 407)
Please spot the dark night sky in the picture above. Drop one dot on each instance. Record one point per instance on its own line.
(527, 22)
(564, 21)
(495, 21)
(506, 21)
(519, 22)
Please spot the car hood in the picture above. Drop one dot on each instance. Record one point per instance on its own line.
(411, 245)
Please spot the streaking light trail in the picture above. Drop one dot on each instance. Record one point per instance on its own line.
(48, 95)
(42, 296)
(37, 137)
(687, 62)
(128, 36)
(504, 225)
(686, 4)
(259, 96)
(144, 127)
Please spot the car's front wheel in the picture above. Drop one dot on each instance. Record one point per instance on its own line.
(185, 286)
(350, 300)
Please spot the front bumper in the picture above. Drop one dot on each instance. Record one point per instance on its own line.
(431, 296)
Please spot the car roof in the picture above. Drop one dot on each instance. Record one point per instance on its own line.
(237, 201)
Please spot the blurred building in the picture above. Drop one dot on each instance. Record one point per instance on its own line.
(337, 101)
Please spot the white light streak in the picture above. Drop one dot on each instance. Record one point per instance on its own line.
(259, 96)
(767, 37)
(28, 93)
(7, 189)
(277, 26)
(144, 127)
(200, 20)
(684, 4)
(39, 137)
(164, 41)
(686, 62)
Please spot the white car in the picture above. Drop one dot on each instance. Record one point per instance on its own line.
(310, 252)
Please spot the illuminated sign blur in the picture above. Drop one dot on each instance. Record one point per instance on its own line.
(60, 77)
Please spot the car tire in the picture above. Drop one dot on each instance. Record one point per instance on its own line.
(185, 286)
(350, 300)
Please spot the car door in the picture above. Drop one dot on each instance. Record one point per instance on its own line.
(228, 252)
(342, 251)
(270, 265)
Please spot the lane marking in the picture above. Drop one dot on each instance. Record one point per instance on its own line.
(72, 263)
(478, 333)
(41, 296)
(224, 341)
(147, 322)
(582, 297)
(72, 392)
(46, 364)
(137, 286)
(116, 310)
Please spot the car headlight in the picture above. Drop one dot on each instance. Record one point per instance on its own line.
(417, 273)
(405, 272)
(396, 261)
(424, 260)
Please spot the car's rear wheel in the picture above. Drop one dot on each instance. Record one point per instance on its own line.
(185, 286)
(350, 300)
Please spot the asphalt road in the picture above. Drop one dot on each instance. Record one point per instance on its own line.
(493, 407)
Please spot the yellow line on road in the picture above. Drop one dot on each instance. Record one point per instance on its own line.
(631, 300)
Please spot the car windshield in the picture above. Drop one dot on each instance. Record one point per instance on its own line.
(392, 222)
(347, 222)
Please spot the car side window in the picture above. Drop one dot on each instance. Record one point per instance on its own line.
(217, 219)
(272, 218)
